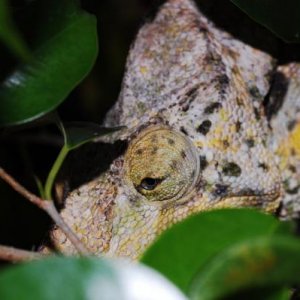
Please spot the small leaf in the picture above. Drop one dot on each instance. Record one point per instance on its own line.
(261, 262)
(79, 133)
(76, 134)
(281, 17)
(180, 251)
(65, 53)
(84, 279)
(10, 35)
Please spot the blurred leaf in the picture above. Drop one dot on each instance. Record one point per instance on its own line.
(181, 250)
(261, 262)
(61, 61)
(10, 35)
(84, 279)
(281, 17)
(79, 133)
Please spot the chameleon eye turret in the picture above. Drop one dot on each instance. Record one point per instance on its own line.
(161, 164)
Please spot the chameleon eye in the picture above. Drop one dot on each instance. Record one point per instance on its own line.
(161, 164)
(149, 183)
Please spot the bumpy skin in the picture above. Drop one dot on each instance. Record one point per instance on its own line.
(198, 137)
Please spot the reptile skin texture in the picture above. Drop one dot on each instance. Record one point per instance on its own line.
(199, 136)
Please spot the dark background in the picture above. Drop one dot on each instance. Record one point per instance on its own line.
(31, 152)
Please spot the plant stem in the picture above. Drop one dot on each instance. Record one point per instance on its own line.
(54, 170)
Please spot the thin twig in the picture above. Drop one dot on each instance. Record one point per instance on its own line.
(48, 207)
(52, 212)
(17, 255)
(21, 190)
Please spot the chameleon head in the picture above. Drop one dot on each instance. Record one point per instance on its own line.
(161, 165)
(159, 181)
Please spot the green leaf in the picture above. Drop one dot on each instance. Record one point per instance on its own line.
(180, 251)
(79, 133)
(260, 262)
(75, 135)
(66, 51)
(84, 279)
(10, 35)
(281, 17)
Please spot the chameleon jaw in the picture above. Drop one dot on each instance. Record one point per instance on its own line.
(267, 202)
(137, 227)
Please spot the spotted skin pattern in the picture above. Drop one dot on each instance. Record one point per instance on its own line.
(194, 102)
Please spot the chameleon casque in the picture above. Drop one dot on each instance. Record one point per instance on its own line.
(200, 135)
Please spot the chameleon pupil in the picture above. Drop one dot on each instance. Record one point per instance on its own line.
(149, 183)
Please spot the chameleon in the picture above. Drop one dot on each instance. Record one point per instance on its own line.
(210, 123)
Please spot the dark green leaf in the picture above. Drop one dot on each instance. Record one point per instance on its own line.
(281, 17)
(10, 35)
(78, 133)
(84, 279)
(260, 262)
(183, 249)
(65, 53)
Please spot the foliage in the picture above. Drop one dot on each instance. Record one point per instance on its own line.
(211, 255)
(64, 52)
(58, 62)
(207, 235)
(84, 278)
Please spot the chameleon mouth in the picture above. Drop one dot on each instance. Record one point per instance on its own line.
(268, 202)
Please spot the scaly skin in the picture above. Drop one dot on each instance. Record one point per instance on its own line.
(197, 139)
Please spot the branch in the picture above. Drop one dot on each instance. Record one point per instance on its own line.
(48, 207)
(18, 255)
